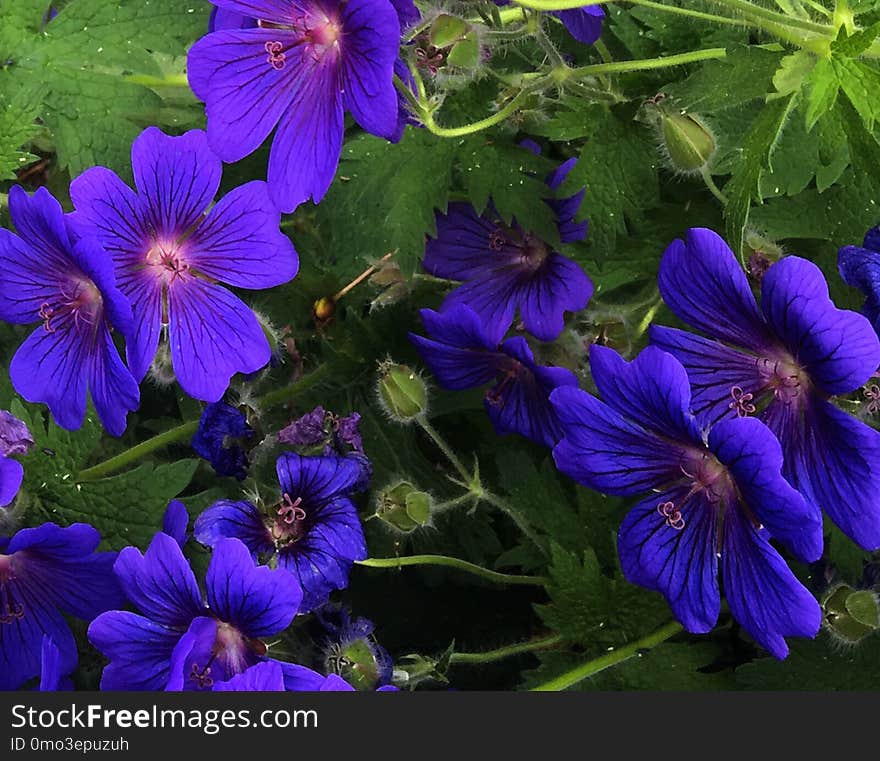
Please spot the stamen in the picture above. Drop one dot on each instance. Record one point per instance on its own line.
(741, 402)
(276, 58)
(430, 58)
(672, 514)
(46, 312)
(497, 239)
(872, 392)
(291, 511)
(202, 676)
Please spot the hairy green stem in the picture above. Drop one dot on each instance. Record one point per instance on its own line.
(506, 652)
(647, 64)
(457, 563)
(186, 430)
(468, 129)
(609, 659)
(170, 80)
(749, 9)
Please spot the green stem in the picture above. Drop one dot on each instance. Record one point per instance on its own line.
(457, 563)
(710, 184)
(435, 436)
(759, 12)
(521, 523)
(593, 667)
(702, 15)
(186, 430)
(647, 64)
(171, 80)
(468, 129)
(506, 652)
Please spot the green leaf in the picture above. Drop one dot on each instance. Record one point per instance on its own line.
(385, 196)
(592, 609)
(126, 508)
(861, 82)
(856, 44)
(819, 664)
(822, 88)
(618, 168)
(744, 185)
(19, 108)
(513, 178)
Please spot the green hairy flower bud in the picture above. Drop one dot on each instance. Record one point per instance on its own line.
(402, 392)
(447, 30)
(403, 507)
(688, 141)
(851, 614)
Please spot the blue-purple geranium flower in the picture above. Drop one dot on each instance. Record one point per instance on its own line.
(306, 63)
(313, 530)
(505, 269)
(782, 361)
(221, 430)
(182, 640)
(464, 352)
(171, 252)
(15, 439)
(860, 267)
(715, 499)
(46, 573)
(68, 285)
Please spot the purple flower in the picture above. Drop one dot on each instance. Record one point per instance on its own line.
(54, 677)
(782, 362)
(714, 498)
(15, 438)
(463, 352)
(860, 267)
(319, 427)
(269, 676)
(505, 269)
(313, 530)
(46, 573)
(170, 254)
(220, 427)
(306, 63)
(68, 285)
(182, 641)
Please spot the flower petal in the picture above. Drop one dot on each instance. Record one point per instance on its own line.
(838, 348)
(176, 177)
(244, 94)
(714, 371)
(317, 480)
(584, 24)
(264, 677)
(113, 389)
(559, 285)
(860, 267)
(753, 456)
(257, 600)
(307, 144)
(763, 593)
(11, 476)
(160, 582)
(139, 650)
(277, 11)
(606, 452)
(678, 562)
(701, 281)
(233, 520)
(300, 679)
(653, 390)
(176, 521)
(832, 459)
(371, 41)
(240, 243)
(213, 336)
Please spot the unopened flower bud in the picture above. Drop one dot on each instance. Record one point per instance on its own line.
(688, 141)
(323, 309)
(402, 392)
(851, 614)
(465, 54)
(403, 507)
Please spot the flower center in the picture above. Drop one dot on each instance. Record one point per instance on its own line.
(705, 475)
(289, 525)
(166, 261)
(78, 301)
(512, 373)
(534, 251)
(231, 654)
(784, 377)
(324, 34)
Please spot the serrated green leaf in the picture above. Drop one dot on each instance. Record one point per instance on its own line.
(855, 44)
(592, 609)
(19, 108)
(744, 185)
(861, 82)
(618, 168)
(822, 88)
